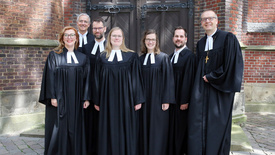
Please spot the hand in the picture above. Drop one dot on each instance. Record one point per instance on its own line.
(184, 106)
(137, 107)
(165, 106)
(96, 107)
(54, 102)
(86, 104)
(204, 78)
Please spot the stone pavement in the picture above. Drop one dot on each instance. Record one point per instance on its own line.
(259, 128)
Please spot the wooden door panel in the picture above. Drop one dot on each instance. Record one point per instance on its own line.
(134, 17)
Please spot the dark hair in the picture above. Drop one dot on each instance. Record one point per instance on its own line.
(143, 46)
(180, 28)
(99, 19)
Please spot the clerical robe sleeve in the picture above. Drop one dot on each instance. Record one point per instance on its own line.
(137, 82)
(87, 84)
(188, 79)
(47, 91)
(228, 77)
(96, 82)
(168, 91)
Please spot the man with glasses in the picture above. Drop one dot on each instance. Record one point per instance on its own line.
(218, 77)
(96, 46)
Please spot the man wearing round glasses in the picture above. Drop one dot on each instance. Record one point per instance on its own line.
(218, 77)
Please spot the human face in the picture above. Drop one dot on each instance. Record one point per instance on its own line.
(179, 38)
(98, 30)
(209, 22)
(150, 42)
(69, 38)
(116, 39)
(83, 24)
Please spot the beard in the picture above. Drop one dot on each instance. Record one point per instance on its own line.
(99, 37)
(179, 46)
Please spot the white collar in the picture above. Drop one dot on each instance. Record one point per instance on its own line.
(81, 37)
(101, 46)
(71, 55)
(117, 53)
(152, 58)
(176, 55)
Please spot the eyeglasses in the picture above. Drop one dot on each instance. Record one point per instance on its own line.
(152, 40)
(69, 35)
(97, 28)
(116, 36)
(208, 18)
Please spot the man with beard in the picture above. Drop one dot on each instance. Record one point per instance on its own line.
(218, 76)
(95, 48)
(183, 62)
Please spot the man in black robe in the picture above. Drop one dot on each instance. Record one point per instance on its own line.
(183, 61)
(218, 76)
(92, 49)
(85, 38)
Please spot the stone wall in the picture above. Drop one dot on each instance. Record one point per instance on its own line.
(259, 37)
(28, 32)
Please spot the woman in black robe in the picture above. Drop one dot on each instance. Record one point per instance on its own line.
(159, 91)
(118, 96)
(65, 92)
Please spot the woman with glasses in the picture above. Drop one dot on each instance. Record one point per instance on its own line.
(65, 92)
(118, 96)
(158, 80)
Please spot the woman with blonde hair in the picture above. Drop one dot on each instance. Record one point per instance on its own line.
(65, 92)
(118, 96)
(157, 73)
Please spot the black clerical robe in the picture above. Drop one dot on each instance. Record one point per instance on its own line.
(184, 72)
(91, 115)
(89, 46)
(158, 89)
(118, 87)
(69, 84)
(210, 110)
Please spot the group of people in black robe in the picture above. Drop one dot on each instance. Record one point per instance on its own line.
(104, 99)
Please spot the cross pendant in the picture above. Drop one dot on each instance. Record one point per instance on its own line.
(206, 59)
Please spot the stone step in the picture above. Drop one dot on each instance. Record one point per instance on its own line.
(259, 107)
(38, 131)
(239, 141)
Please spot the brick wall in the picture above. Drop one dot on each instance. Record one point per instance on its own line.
(259, 67)
(40, 19)
(21, 67)
(259, 32)
(71, 9)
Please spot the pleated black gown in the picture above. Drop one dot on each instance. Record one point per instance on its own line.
(158, 89)
(210, 110)
(184, 72)
(118, 89)
(69, 84)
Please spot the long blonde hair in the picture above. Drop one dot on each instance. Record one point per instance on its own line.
(61, 45)
(122, 47)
